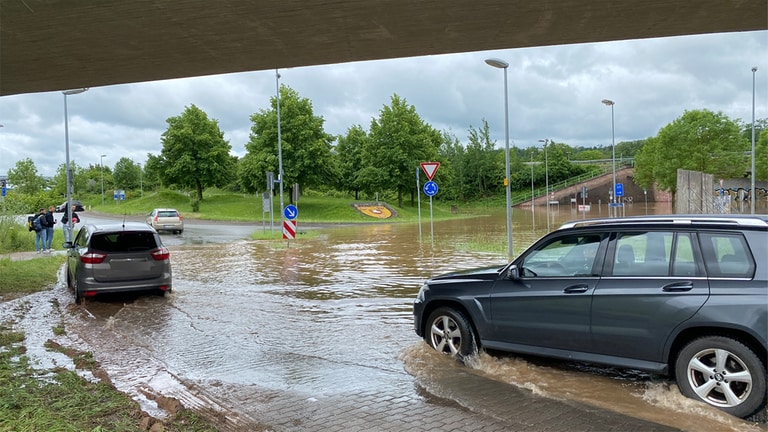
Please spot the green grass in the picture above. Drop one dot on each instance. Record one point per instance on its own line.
(61, 400)
(227, 206)
(28, 276)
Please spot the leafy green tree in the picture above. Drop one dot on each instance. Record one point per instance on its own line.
(699, 140)
(349, 155)
(451, 154)
(195, 154)
(481, 163)
(590, 155)
(761, 155)
(305, 147)
(127, 174)
(151, 172)
(79, 180)
(399, 142)
(24, 177)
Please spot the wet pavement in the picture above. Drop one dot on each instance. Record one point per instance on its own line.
(316, 335)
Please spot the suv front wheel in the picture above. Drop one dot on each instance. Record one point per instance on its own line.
(724, 373)
(449, 332)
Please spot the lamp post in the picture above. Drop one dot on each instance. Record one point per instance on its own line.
(610, 103)
(101, 165)
(752, 185)
(501, 64)
(546, 177)
(279, 144)
(66, 93)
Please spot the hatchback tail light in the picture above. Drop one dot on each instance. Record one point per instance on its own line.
(161, 254)
(92, 258)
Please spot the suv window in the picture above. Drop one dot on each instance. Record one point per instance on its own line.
(126, 241)
(727, 255)
(168, 214)
(572, 255)
(643, 253)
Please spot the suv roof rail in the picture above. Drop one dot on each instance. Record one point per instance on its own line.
(741, 220)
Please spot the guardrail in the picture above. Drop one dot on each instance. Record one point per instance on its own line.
(522, 197)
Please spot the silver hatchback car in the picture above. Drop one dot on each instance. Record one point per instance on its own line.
(119, 257)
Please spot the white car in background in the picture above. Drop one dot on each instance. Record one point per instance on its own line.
(166, 219)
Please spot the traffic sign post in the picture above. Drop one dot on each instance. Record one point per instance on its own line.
(430, 168)
(289, 229)
(619, 189)
(290, 212)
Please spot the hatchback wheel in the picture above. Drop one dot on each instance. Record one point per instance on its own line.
(724, 373)
(450, 332)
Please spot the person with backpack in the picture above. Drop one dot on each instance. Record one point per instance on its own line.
(65, 225)
(50, 221)
(38, 224)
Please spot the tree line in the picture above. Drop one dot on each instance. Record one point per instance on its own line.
(383, 159)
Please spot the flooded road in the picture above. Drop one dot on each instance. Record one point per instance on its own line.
(325, 325)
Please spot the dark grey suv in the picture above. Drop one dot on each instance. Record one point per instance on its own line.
(117, 257)
(685, 296)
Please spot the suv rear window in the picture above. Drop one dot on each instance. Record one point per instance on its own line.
(727, 255)
(126, 241)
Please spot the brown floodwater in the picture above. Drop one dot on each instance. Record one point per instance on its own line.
(331, 315)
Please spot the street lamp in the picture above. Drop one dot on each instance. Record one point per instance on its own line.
(610, 103)
(279, 143)
(101, 164)
(501, 64)
(546, 177)
(752, 185)
(68, 231)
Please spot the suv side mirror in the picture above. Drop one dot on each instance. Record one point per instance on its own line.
(512, 272)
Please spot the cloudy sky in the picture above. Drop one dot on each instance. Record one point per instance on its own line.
(554, 92)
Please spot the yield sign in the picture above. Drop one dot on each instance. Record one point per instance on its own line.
(430, 168)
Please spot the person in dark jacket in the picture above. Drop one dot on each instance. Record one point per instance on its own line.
(65, 225)
(40, 233)
(50, 221)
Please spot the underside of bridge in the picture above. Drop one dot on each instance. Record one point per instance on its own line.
(61, 44)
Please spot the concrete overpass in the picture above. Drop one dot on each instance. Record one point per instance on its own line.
(50, 45)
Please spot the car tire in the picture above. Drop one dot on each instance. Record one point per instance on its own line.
(724, 373)
(449, 331)
(78, 294)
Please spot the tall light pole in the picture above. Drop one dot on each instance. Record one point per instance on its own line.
(501, 64)
(69, 168)
(101, 164)
(279, 144)
(546, 177)
(610, 103)
(752, 185)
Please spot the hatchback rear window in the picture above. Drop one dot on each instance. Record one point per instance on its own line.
(125, 241)
(168, 214)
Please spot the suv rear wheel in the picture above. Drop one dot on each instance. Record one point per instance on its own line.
(724, 373)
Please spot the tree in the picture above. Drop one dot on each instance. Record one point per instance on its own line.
(151, 172)
(305, 147)
(399, 142)
(195, 154)
(349, 156)
(481, 163)
(699, 140)
(24, 177)
(761, 156)
(127, 174)
(79, 180)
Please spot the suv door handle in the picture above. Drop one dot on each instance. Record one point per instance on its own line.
(678, 286)
(579, 288)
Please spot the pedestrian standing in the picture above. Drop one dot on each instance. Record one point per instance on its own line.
(50, 220)
(40, 233)
(65, 225)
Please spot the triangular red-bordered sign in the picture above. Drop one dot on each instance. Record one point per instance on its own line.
(430, 168)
